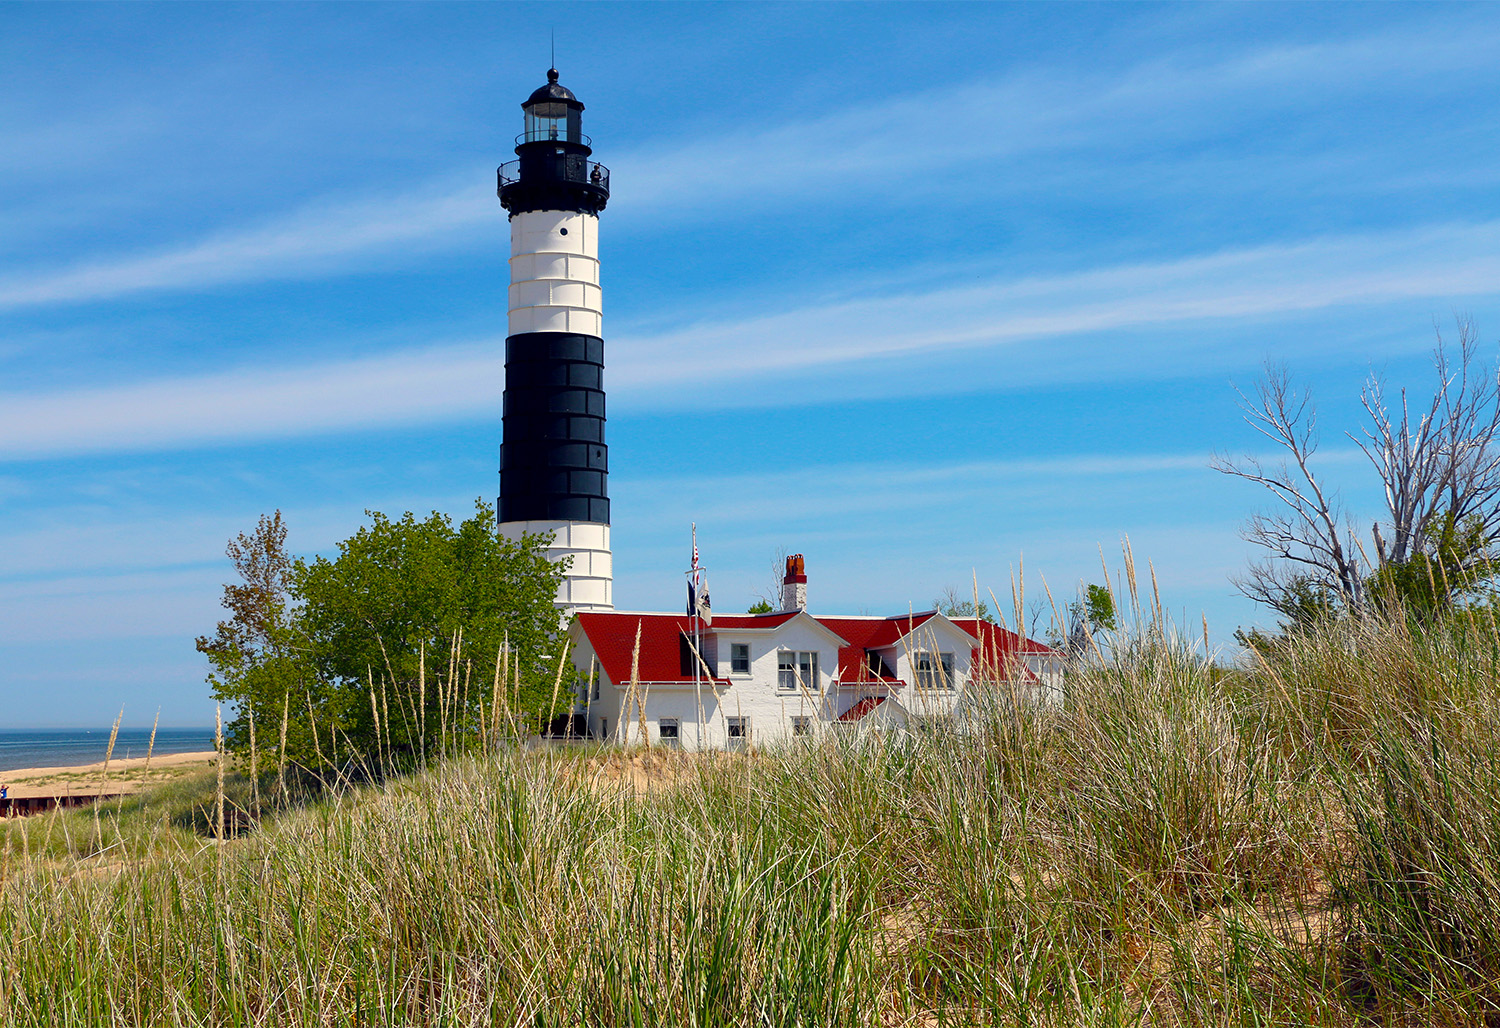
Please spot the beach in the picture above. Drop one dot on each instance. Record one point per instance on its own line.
(125, 775)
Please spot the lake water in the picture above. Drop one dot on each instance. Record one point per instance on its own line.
(64, 747)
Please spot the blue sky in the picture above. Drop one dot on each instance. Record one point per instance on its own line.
(922, 292)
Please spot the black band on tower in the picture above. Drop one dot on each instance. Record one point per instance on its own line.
(554, 465)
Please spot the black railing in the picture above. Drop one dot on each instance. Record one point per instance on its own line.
(547, 137)
(594, 174)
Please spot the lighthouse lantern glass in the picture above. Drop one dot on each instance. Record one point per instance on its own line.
(551, 121)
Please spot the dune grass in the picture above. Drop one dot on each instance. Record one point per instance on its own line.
(1311, 840)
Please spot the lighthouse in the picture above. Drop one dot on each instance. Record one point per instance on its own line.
(554, 466)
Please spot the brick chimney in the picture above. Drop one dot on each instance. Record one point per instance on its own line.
(794, 585)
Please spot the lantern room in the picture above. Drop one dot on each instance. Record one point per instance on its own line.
(553, 114)
(553, 171)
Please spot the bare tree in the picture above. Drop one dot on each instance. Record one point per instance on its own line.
(1307, 535)
(1438, 467)
(772, 596)
(1442, 464)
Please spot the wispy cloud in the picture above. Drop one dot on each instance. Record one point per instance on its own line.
(301, 243)
(458, 382)
(868, 146)
(1034, 110)
(404, 388)
(1438, 262)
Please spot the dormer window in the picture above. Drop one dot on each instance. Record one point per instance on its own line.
(933, 670)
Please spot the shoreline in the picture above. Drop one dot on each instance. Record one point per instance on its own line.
(126, 775)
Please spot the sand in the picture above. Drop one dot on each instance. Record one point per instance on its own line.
(125, 775)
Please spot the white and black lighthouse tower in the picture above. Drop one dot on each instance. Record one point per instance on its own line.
(554, 467)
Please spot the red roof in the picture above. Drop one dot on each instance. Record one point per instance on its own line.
(738, 621)
(1000, 648)
(861, 708)
(864, 634)
(612, 634)
(613, 638)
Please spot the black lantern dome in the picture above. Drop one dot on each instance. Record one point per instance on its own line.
(553, 172)
(553, 91)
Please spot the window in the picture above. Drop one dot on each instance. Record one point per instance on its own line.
(596, 685)
(687, 656)
(739, 658)
(739, 732)
(667, 731)
(934, 670)
(797, 669)
(802, 725)
(604, 728)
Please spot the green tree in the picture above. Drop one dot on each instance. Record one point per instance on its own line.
(417, 612)
(388, 650)
(760, 606)
(1091, 613)
(1099, 607)
(1304, 604)
(256, 659)
(1456, 564)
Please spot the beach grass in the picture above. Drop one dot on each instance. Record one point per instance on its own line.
(1311, 839)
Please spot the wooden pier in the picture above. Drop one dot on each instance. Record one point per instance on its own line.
(24, 806)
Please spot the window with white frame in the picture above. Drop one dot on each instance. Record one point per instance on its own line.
(801, 725)
(739, 731)
(739, 658)
(797, 669)
(667, 730)
(933, 670)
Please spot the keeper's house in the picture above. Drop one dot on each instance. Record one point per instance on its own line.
(766, 678)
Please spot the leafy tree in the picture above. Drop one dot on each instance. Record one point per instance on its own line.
(1091, 613)
(760, 606)
(418, 612)
(388, 649)
(1458, 561)
(255, 656)
(1099, 607)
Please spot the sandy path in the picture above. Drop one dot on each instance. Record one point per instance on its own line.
(125, 775)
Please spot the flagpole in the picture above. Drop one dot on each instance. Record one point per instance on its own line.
(700, 614)
(697, 640)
